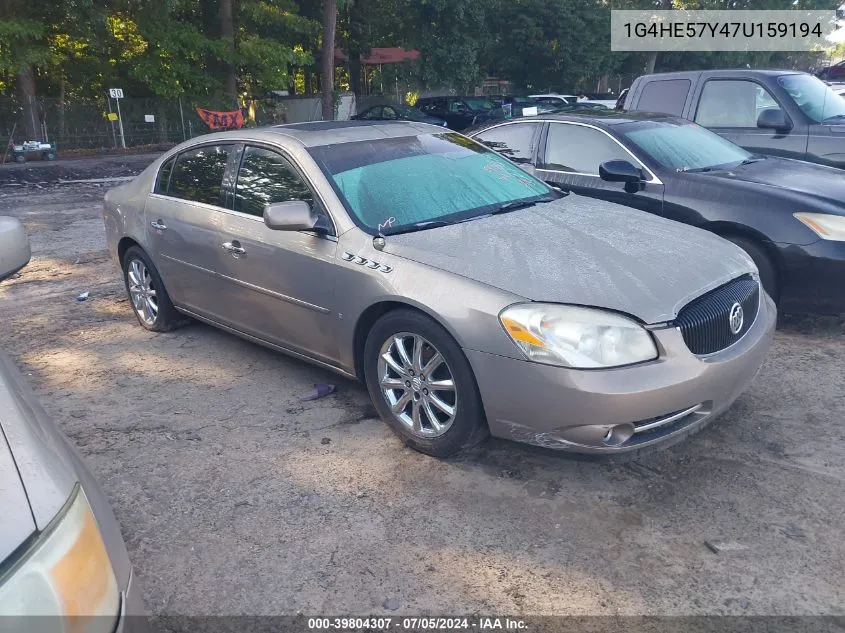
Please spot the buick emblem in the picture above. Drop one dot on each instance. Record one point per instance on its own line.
(736, 318)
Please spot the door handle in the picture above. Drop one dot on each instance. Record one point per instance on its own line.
(234, 247)
(158, 225)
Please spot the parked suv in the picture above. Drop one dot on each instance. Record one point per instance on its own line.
(461, 112)
(777, 112)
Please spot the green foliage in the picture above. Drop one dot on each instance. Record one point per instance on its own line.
(551, 44)
(174, 48)
(454, 38)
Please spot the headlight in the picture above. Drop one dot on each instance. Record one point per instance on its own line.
(581, 338)
(67, 572)
(827, 227)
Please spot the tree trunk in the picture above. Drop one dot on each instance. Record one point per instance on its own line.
(26, 93)
(355, 72)
(651, 59)
(62, 96)
(227, 34)
(329, 24)
(161, 125)
(603, 84)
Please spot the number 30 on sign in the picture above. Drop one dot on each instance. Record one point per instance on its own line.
(116, 93)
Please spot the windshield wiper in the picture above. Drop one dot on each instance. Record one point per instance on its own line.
(835, 117)
(753, 159)
(417, 226)
(524, 204)
(513, 206)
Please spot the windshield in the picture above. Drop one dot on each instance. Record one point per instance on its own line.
(409, 113)
(479, 103)
(683, 147)
(392, 183)
(814, 97)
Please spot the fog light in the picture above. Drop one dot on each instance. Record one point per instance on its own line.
(618, 435)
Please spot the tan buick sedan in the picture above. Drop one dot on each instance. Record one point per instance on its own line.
(470, 297)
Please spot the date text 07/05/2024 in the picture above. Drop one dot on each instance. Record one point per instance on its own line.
(416, 624)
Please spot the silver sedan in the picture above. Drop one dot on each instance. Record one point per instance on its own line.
(470, 297)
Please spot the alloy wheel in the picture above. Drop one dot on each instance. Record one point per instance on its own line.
(142, 291)
(417, 384)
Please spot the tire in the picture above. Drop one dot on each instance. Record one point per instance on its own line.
(138, 267)
(768, 272)
(20, 158)
(466, 426)
(49, 155)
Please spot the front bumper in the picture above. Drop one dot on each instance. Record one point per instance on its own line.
(592, 411)
(133, 614)
(813, 278)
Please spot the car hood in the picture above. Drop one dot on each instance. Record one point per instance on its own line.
(805, 180)
(36, 476)
(583, 251)
(17, 523)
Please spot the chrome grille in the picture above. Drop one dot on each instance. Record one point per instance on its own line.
(705, 322)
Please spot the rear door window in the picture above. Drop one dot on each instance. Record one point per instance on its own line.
(163, 178)
(667, 96)
(198, 174)
(515, 141)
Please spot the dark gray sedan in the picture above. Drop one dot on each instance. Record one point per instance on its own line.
(61, 552)
(469, 296)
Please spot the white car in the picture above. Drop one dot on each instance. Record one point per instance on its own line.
(556, 99)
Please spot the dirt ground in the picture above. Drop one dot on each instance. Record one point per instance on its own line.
(236, 498)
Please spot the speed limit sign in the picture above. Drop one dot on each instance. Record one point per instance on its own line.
(116, 93)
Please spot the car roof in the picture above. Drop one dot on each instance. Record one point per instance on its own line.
(317, 133)
(725, 71)
(598, 118)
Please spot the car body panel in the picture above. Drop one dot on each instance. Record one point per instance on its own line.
(295, 309)
(43, 465)
(755, 201)
(18, 524)
(14, 247)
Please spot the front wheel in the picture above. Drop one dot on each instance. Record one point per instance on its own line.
(422, 385)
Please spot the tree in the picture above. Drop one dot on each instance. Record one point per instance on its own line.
(24, 47)
(327, 59)
(227, 35)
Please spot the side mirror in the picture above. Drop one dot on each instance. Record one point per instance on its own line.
(775, 119)
(292, 215)
(620, 171)
(14, 247)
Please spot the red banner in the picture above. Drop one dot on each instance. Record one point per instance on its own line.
(222, 120)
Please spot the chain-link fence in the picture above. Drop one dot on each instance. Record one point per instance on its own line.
(88, 125)
(145, 121)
